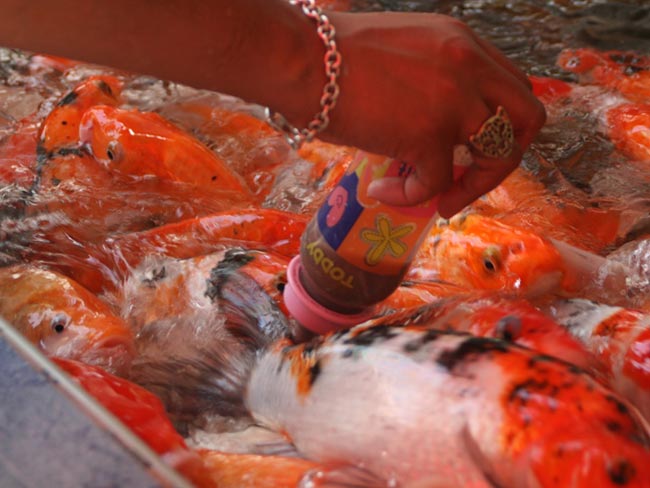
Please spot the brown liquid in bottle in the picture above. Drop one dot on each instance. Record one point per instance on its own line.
(356, 250)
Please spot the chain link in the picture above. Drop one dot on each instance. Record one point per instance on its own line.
(296, 137)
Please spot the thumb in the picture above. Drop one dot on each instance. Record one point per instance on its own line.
(424, 183)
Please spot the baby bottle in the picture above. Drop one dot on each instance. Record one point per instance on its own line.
(356, 250)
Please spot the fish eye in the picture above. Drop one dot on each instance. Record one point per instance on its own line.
(491, 260)
(58, 323)
(114, 151)
(574, 62)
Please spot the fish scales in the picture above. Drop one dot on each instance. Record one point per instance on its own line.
(411, 404)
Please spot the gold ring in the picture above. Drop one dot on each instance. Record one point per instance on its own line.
(495, 138)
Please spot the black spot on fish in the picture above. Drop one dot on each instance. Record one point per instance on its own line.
(621, 472)
(508, 328)
(154, 275)
(232, 261)
(613, 426)
(472, 346)
(429, 335)
(620, 406)
(56, 181)
(522, 391)
(371, 335)
(314, 372)
(105, 87)
(348, 353)
(632, 70)
(214, 178)
(68, 99)
(66, 151)
(64, 122)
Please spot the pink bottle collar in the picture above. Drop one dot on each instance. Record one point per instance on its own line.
(311, 314)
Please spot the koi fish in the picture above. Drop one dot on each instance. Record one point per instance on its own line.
(480, 253)
(178, 308)
(411, 294)
(143, 413)
(250, 146)
(183, 290)
(624, 71)
(61, 127)
(618, 337)
(629, 129)
(134, 143)
(524, 202)
(511, 319)
(63, 318)
(234, 470)
(505, 415)
(255, 228)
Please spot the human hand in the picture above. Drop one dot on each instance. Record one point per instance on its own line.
(415, 85)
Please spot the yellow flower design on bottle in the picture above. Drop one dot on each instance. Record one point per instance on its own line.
(385, 238)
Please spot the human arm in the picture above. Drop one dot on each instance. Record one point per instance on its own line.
(412, 85)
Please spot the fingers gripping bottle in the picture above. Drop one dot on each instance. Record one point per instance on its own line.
(356, 250)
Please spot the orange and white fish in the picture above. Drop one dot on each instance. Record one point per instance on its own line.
(502, 415)
(143, 413)
(481, 253)
(618, 337)
(497, 316)
(64, 319)
(183, 291)
(135, 143)
(178, 308)
(624, 71)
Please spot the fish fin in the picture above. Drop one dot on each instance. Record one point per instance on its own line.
(250, 313)
(480, 460)
(199, 377)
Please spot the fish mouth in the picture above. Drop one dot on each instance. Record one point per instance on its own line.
(546, 283)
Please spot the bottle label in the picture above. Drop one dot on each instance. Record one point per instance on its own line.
(366, 233)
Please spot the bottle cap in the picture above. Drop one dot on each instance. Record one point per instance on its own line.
(311, 314)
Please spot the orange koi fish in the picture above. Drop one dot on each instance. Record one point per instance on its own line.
(524, 202)
(411, 294)
(130, 142)
(63, 318)
(629, 129)
(624, 71)
(143, 413)
(509, 318)
(250, 146)
(480, 253)
(61, 127)
(618, 337)
(256, 228)
(231, 470)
